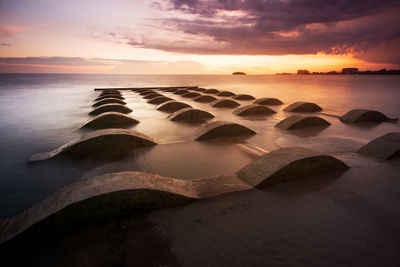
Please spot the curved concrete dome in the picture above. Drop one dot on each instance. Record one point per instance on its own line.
(225, 93)
(204, 99)
(199, 89)
(171, 90)
(159, 100)
(303, 107)
(190, 114)
(225, 103)
(250, 110)
(219, 129)
(108, 101)
(385, 147)
(110, 92)
(147, 92)
(110, 120)
(268, 101)
(181, 92)
(191, 95)
(115, 194)
(243, 97)
(172, 106)
(113, 96)
(365, 115)
(108, 141)
(211, 91)
(151, 96)
(287, 164)
(110, 107)
(297, 121)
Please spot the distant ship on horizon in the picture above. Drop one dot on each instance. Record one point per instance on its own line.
(238, 73)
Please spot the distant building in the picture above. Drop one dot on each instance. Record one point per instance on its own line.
(349, 71)
(303, 72)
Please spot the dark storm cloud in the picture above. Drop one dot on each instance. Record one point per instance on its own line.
(273, 27)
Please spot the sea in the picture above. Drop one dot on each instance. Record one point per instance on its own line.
(40, 112)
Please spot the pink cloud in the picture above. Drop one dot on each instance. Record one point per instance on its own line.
(8, 31)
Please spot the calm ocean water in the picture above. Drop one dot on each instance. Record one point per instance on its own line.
(41, 112)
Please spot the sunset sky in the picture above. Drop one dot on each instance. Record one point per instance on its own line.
(191, 36)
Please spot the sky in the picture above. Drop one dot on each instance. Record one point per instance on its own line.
(197, 37)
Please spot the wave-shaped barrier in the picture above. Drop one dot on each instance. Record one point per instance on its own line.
(110, 120)
(220, 129)
(365, 115)
(385, 147)
(110, 108)
(303, 107)
(297, 122)
(108, 101)
(252, 110)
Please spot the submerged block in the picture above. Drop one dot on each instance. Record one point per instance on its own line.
(110, 107)
(159, 100)
(151, 96)
(171, 90)
(204, 99)
(172, 106)
(385, 147)
(191, 95)
(113, 96)
(268, 101)
(219, 129)
(225, 93)
(190, 114)
(303, 107)
(287, 164)
(108, 101)
(243, 97)
(147, 92)
(253, 110)
(365, 115)
(105, 92)
(225, 103)
(181, 92)
(297, 121)
(99, 142)
(199, 89)
(109, 94)
(211, 91)
(110, 120)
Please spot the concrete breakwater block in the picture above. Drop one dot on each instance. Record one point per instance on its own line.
(220, 129)
(110, 92)
(250, 110)
(199, 89)
(108, 141)
(108, 101)
(110, 95)
(225, 93)
(191, 95)
(181, 92)
(153, 95)
(171, 90)
(110, 107)
(303, 107)
(110, 120)
(147, 92)
(113, 96)
(268, 101)
(385, 147)
(104, 197)
(172, 106)
(190, 114)
(225, 103)
(243, 97)
(365, 115)
(287, 164)
(159, 100)
(204, 99)
(297, 122)
(211, 91)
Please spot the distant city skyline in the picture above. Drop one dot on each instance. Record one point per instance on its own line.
(197, 37)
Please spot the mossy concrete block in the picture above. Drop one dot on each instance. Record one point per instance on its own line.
(211, 91)
(225, 103)
(191, 115)
(269, 101)
(288, 164)
(159, 100)
(385, 147)
(110, 108)
(108, 101)
(243, 97)
(110, 120)
(204, 99)
(172, 106)
(191, 95)
(252, 110)
(220, 129)
(225, 93)
(298, 122)
(108, 141)
(365, 115)
(303, 107)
